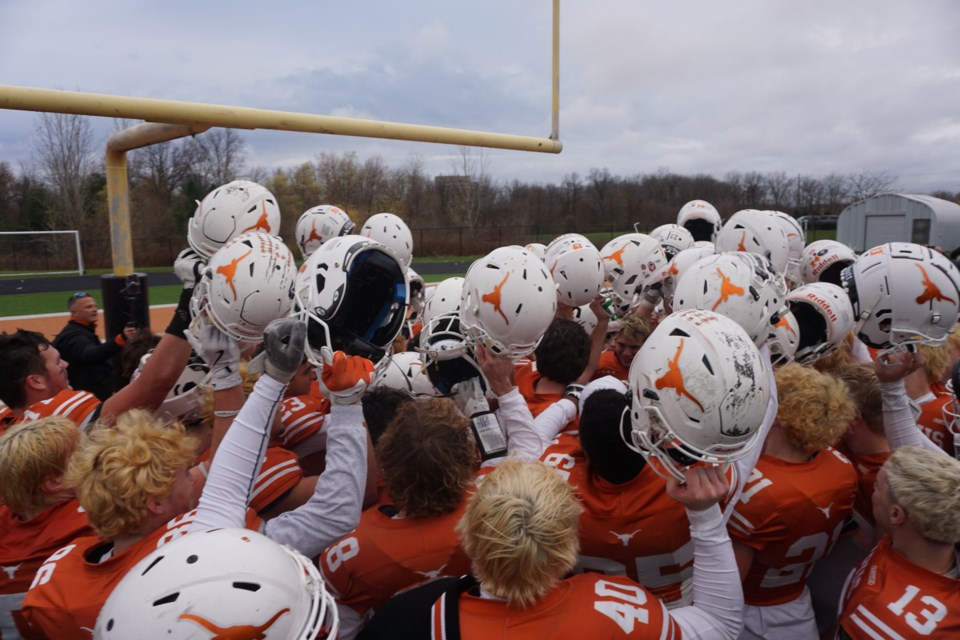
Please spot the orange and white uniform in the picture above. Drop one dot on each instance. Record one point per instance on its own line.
(609, 365)
(583, 606)
(931, 421)
(386, 554)
(790, 514)
(888, 598)
(279, 474)
(79, 406)
(635, 529)
(73, 584)
(302, 421)
(24, 545)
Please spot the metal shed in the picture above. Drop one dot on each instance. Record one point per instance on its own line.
(900, 217)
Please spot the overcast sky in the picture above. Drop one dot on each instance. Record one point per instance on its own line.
(700, 86)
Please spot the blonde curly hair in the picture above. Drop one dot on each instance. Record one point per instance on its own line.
(521, 531)
(119, 468)
(815, 408)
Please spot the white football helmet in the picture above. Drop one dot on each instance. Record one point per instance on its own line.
(631, 263)
(537, 249)
(796, 240)
(903, 293)
(418, 294)
(755, 231)
(214, 583)
(825, 317)
(231, 210)
(699, 392)
(184, 402)
(585, 317)
(448, 357)
(319, 224)
(247, 284)
(576, 267)
(701, 219)
(784, 339)
(680, 263)
(392, 232)
(405, 372)
(673, 238)
(353, 295)
(729, 285)
(442, 299)
(508, 301)
(823, 261)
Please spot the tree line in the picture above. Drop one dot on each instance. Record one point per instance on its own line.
(62, 186)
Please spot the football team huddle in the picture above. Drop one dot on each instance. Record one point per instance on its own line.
(714, 430)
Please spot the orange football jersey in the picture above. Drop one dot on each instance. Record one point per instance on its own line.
(279, 474)
(791, 514)
(635, 529)
(69, 590)
(79, 406)
(867, 467)
(610, 366)
(582, 606)
(384, 555)
(888, 596)
(526, 380)
(25, 545)
(301, 417)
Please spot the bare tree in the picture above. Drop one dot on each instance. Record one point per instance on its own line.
(867, 184)
(64, 145)
(464, 195)
(222, 153)
(601, 185)
(835, 192)
(777, 186)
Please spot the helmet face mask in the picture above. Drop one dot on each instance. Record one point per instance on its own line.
(217, 580)
(673, 238)
(405, 371)
(353, 295)
(229, 211)
(448, 358)
(699, 391)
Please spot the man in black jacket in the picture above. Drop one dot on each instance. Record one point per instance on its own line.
(90, 368)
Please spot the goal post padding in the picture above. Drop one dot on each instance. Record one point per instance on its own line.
(32, 253)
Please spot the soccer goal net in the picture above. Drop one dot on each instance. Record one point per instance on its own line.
(31, 253)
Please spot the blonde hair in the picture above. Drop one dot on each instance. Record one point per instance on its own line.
(839, 357)
(521, 531)
(936, 362)
(815, 408)
(864, 387)
(635, 328)
(119, 468)
(30, 454)
(927, 485)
